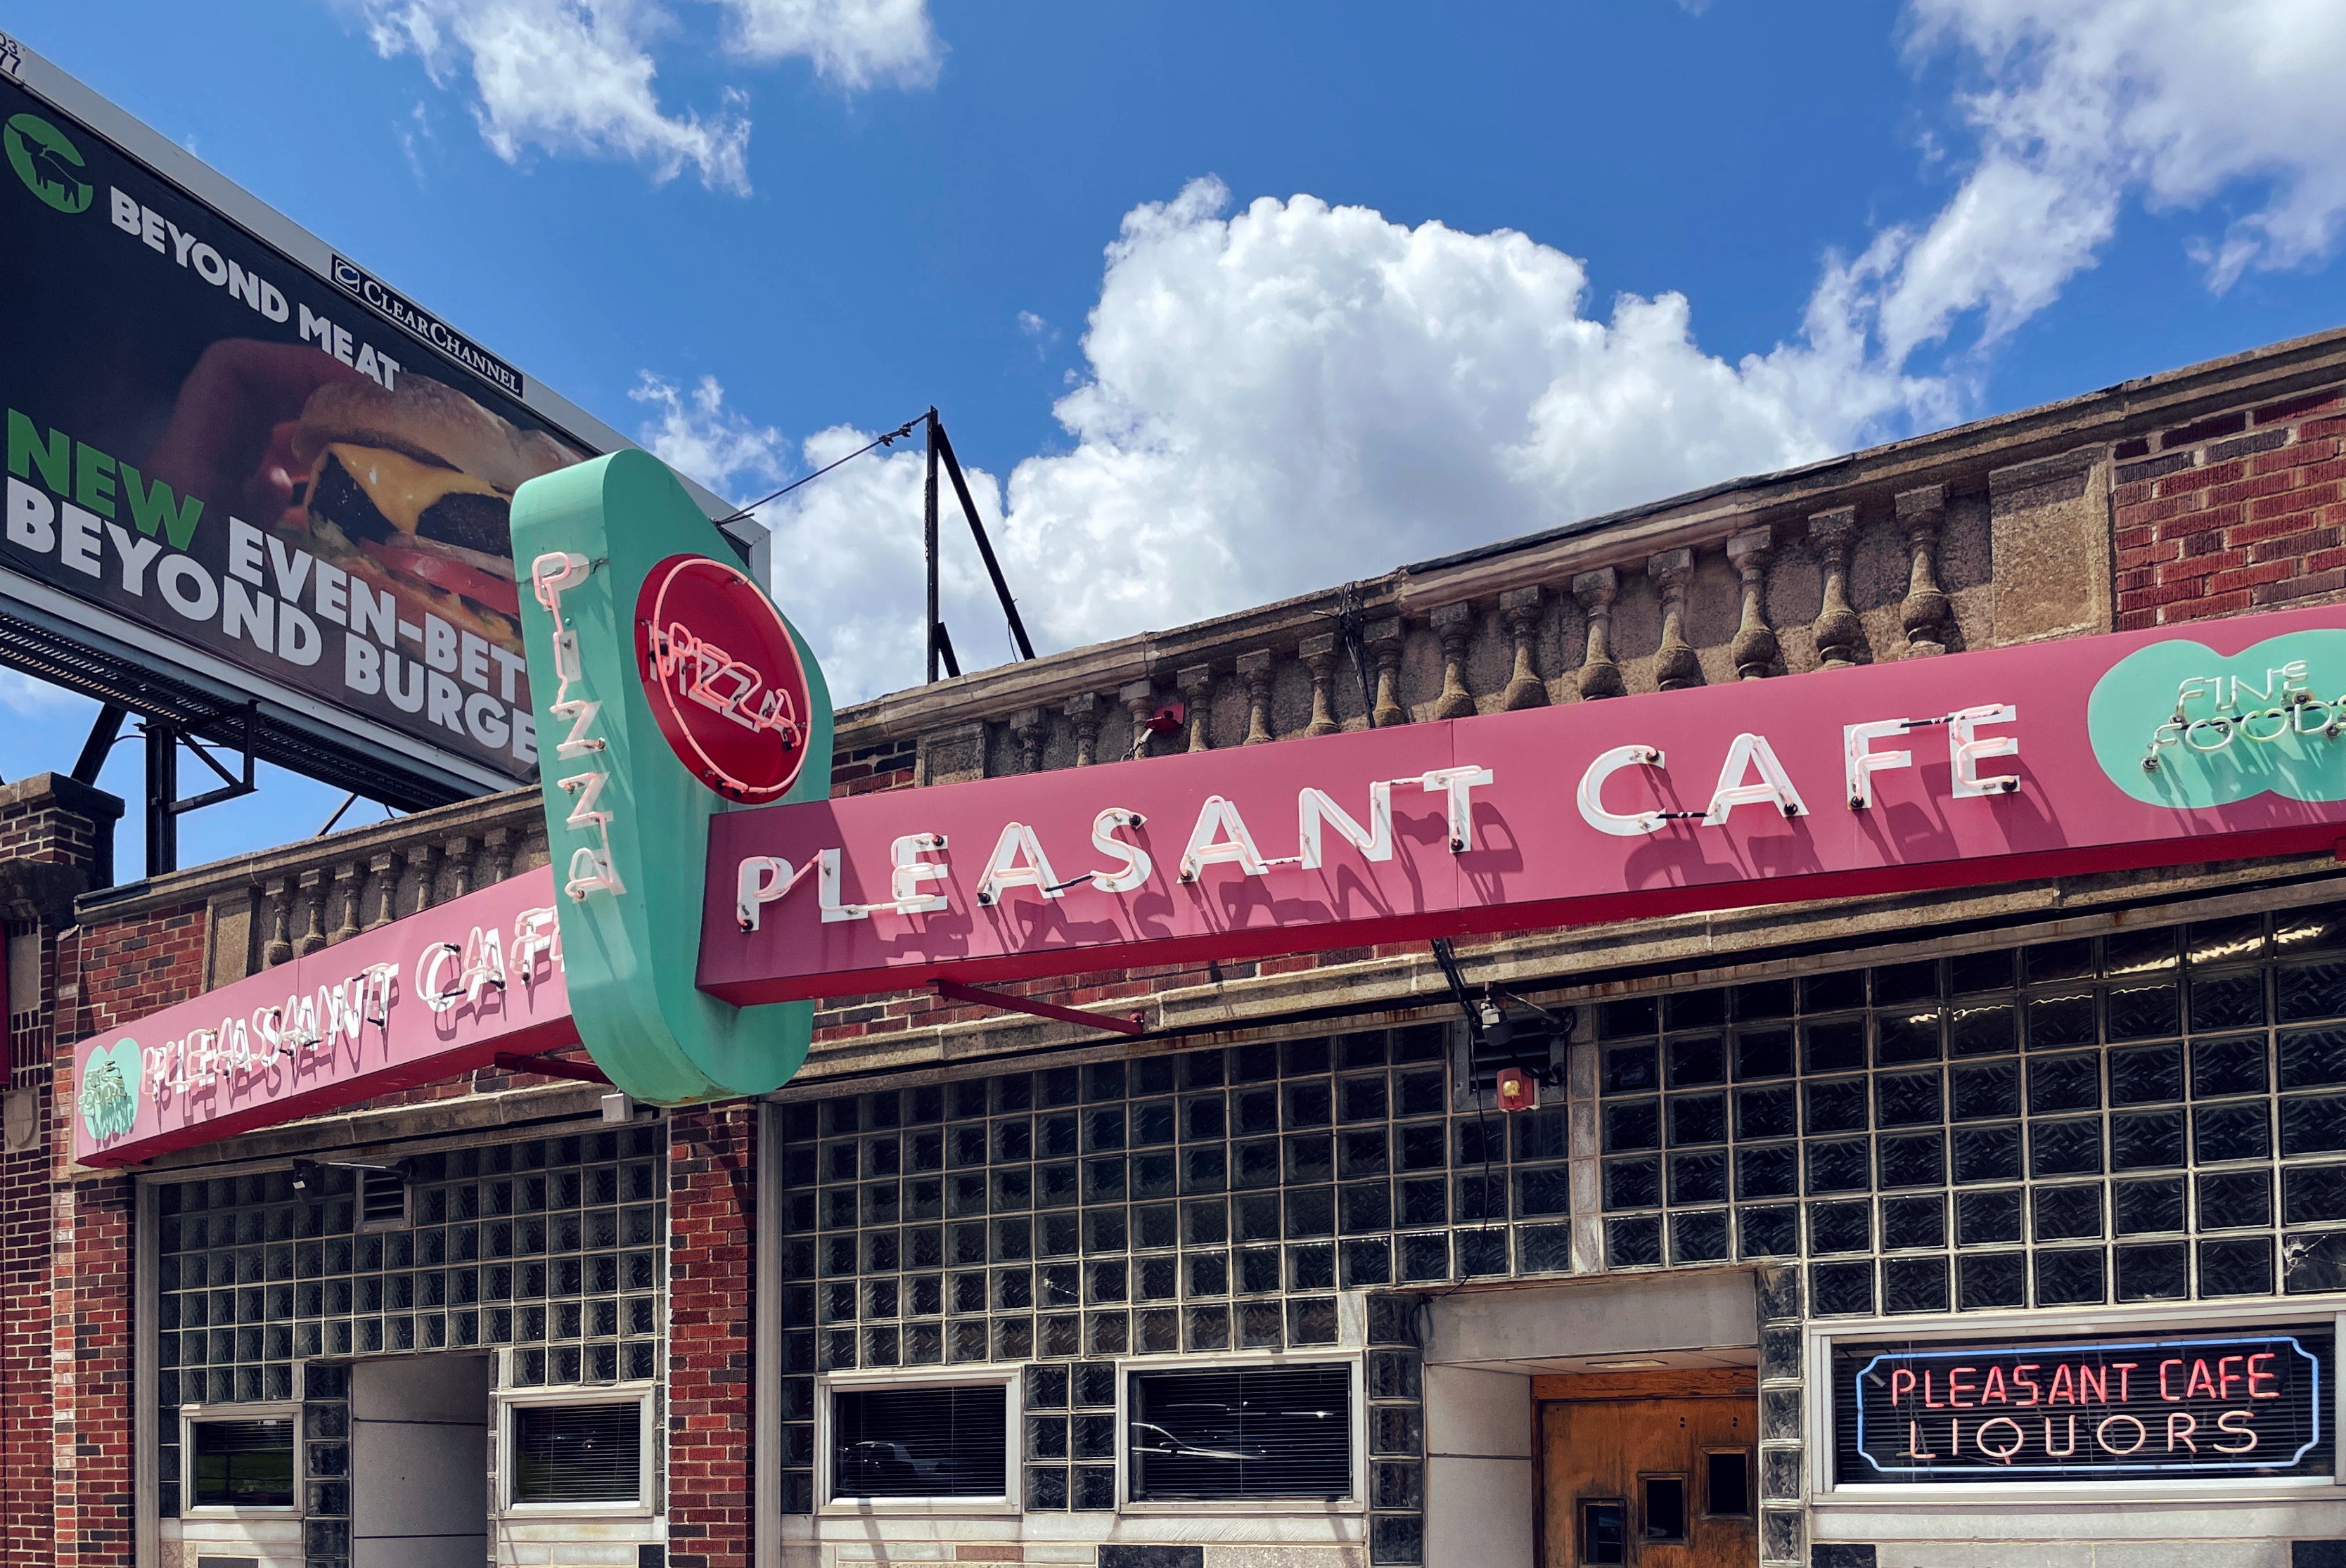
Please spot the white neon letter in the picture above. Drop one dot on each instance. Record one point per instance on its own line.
(1774, 786)
(1457, 783)
(762, 879)
(580, 712)
(1966, 750)
(303, 1011)
(906, 874)
(1316, 807)
(428, 965)
(484, 964)
(1220, 835)
(267, 1022)
(1861, 762)
(536, 935)
(1591, 794)
(827, 890)
(1136, 863)
(1018, 863)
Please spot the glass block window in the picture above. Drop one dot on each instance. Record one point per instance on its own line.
(551, 1246)
(2155, 1116)
(1214, 1200)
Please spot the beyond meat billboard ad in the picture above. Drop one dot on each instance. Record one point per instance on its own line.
(210, 442)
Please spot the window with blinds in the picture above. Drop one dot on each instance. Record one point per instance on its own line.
(1257, 1432)
(578, 1453)
(242, 1464)
(921, 1442)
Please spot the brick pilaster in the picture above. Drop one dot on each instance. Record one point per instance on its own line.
(26, 1414)
(66, 1475)
(90, 1339)
(713, 1174)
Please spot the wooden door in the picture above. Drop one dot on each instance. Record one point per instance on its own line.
(1658, 1472)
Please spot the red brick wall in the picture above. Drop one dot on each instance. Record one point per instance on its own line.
(67, 1480)
(122, 973)
(136, 967)
(884, 767)
(95, 1484)
(2238, 512)
(713, 1175)
(850, 1018)
(26, 1437)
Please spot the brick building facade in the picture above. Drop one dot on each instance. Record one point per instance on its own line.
(1303, 1176)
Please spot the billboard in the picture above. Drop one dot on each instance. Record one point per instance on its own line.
(244, 458)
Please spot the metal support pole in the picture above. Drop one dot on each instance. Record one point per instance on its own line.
(984, 545)
(103, 733)
(929, 542)
(162, 795)
(1348, 625)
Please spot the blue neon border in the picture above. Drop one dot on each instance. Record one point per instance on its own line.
(1857, 1393)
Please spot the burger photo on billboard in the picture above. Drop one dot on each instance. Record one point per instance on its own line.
(412, 490)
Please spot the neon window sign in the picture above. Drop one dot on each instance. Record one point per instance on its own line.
(2079, 1410)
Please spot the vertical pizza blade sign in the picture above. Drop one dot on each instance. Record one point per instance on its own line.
(668, 690)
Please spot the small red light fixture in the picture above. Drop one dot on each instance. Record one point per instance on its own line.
(1518, 1090)
(1167, 720)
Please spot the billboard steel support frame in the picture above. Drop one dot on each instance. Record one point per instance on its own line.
(164, 805)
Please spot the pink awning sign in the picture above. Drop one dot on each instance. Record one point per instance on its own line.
(2217, 741)
(420, 999)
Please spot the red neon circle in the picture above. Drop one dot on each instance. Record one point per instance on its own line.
(723, 677)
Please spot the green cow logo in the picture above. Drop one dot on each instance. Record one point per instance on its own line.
(2178, 724)
(49, 165)
(109, 1090)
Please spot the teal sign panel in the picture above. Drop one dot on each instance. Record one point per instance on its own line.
(667, 689)
(2177, 724)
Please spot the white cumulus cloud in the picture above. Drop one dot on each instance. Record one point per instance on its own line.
(579, 75)
(854, 43)
(1276, 398)
(1281, 398)
(2080, 106)
(694, 432)
(1295, 393)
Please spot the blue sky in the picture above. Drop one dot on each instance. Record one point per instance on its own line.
(1230, 301)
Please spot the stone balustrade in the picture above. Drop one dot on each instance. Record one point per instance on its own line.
(267, 908)
(1754, 594)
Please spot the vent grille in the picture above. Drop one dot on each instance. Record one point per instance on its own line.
(921, 1442)
(28, 1034)
(1270, 1431)
(382, 1200)
(578, 1453)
